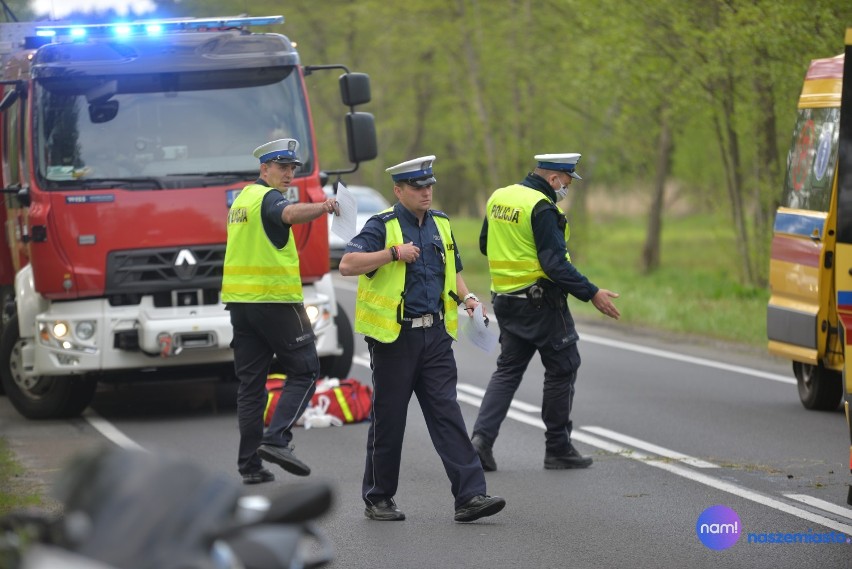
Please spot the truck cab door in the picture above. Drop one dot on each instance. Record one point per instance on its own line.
(13, 140)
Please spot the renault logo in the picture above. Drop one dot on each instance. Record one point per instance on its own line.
(185, 265)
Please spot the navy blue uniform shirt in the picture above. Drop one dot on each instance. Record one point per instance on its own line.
(274, 203)
(424, 278)
(549, 236)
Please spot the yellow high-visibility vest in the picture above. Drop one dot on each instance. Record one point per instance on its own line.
(255, 270)
(379, 300)
(567, 233)
(512, 256)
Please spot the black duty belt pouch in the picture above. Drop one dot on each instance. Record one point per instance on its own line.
(546, 292)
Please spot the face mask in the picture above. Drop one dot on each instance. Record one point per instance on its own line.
(562, 192)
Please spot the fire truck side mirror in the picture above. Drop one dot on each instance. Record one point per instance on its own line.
(355, 89)
(21, 193)
(361, 137)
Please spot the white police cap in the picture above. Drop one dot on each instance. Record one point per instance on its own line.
(283, 151)
(417, 172)
(560, 162)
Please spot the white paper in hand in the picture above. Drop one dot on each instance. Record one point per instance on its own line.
(477, 331)
(344, 225)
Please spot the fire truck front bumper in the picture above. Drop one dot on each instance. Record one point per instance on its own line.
(92, 336)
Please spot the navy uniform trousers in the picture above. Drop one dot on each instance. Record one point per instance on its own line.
(523, 331)
(419, 361)
(262, 330)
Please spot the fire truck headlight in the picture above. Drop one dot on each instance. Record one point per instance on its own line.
(60, 329)
(313, 313)
(85, 329)
(319, 315)
(57, 334)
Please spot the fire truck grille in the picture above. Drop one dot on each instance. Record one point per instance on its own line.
(175, 276)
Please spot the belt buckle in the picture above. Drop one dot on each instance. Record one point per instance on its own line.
(427, 320)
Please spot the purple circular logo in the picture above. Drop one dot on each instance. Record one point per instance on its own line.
(718, 527)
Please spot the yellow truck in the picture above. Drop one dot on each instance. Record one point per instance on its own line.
(809, 316)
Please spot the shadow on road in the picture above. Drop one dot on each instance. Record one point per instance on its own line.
(155, 398)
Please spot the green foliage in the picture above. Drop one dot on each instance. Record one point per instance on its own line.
(485, 86)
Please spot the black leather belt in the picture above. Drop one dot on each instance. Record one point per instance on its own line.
(422, 321)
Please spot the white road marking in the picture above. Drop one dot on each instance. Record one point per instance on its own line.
(679, 470)
(718, 484)
(479, 392)
(822, 505)
(650, 447)
(683, 358)
(110, 431)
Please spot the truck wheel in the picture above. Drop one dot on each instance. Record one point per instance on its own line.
(339, 366)
(820, 389)
(46, 397)
(7, 296)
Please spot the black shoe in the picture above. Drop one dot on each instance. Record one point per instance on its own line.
(570, 459)
(258, 477)
(384, 511)
(479, 507)
(283, 457)
(486, 457)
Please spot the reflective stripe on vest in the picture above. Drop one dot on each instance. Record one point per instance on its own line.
(512, 257)
(567, 233)
(379, 300)
(255, 271)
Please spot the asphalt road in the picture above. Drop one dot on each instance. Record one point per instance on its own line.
(674, 426)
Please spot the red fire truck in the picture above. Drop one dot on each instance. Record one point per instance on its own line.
(123, 146)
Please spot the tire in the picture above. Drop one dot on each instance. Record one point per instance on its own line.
(46, 397)
(820, 389)
(7, 296)
(340, 366)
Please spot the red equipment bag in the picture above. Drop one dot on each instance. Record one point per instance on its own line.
(348, 399)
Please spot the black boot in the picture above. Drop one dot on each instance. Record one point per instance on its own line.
(486, 457)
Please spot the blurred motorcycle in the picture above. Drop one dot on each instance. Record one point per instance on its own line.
(130, 509)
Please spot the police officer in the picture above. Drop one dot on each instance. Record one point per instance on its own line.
(408, 291)
(524, 235)
(262, 288)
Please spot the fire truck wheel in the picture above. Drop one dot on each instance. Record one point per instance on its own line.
(339, 366)
(7, 296)
(39, 397)
(820, 389)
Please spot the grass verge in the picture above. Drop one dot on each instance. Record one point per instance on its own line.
(695, 291)
(14, 492)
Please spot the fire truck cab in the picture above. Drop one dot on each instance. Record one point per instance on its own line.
(122, 147)
(809, 317)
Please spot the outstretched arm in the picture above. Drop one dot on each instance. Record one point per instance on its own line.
(297, 213)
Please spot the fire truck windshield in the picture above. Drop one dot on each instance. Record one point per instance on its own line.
(161, 126)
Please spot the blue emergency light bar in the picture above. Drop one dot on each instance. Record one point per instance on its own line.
(152, 27)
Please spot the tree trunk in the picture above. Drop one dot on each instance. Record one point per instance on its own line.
(651, 250)
(729, 146)
(768, 173)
